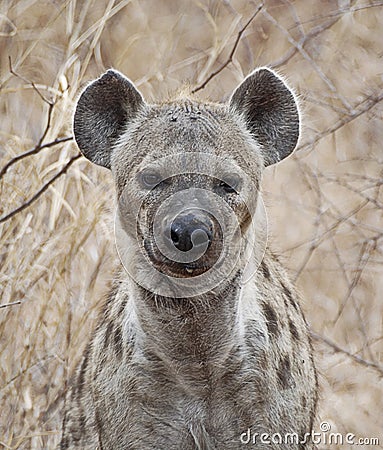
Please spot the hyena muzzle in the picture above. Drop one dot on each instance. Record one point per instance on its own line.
(201, 343)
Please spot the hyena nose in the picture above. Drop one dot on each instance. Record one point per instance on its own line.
(190, 230)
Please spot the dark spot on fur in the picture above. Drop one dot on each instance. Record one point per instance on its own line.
(77, 432)
(108, 333)
(80, 386)
(304, 402)
(284, 372)
(64, 443)
(122, 307)
(271, 319)
(289, 296)
(287, 291)
(293, 330)
(111, 297)
(265, 270)
(263, 360)
(118, 340)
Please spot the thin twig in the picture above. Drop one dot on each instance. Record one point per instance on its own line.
(308, 57)
(230, 58)
(333, 228)
(358, 191)
(10, 304)
(341, 12)
(315, 242)
(371, 103)
(33, 151)
(22, 372)
(48, 125)
(42, 190)
(17, 75)
(338, 349)
(364, 255)
(293, 50)
(39, 146)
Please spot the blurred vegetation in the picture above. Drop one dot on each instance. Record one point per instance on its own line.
(324, 204)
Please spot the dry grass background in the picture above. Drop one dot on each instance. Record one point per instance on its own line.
(325, 204)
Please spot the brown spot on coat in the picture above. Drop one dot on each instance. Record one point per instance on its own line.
(265, 270)
(293, 330)
(117, 338)
(289, 296)
(284, 372)
(271, 319)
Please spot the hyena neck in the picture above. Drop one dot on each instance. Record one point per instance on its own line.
(196, 331)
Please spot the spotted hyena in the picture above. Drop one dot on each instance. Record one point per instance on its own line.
(201, 343)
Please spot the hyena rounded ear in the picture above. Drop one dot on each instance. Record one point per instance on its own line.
(270, 111)
(102, 112)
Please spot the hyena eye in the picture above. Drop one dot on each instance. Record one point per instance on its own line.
(230, 184)
(149, 179)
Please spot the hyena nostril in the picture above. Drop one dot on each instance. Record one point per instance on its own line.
(188, 231)
(174, 236)
(200, 237)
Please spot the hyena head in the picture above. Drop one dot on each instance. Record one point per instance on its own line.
(187, 174)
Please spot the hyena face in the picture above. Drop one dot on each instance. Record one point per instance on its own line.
(187, 201)
(187, 174)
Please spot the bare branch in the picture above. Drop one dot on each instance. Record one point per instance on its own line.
(342, 11)
(332, 229)
(33, 151)
(364, 255)
(22, 372)
(308, 57)
(359, 192)
(10, 304)
(303, 41)
(315, 31)
(371, 102)
(39, 146)
(17, 75)
(338, 349)
(42, 190)
(233, 50)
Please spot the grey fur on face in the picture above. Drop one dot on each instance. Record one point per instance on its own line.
(202, 343)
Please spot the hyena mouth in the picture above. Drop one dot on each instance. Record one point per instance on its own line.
(194, 268)
(179, 269)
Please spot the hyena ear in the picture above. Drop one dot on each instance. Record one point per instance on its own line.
(270, 111)
(102, 112)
